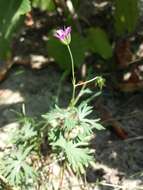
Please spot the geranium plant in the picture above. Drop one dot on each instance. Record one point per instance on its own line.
(70, 131)
(65, 133)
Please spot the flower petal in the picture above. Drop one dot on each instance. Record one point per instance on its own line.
(60, 32)
(68, 30)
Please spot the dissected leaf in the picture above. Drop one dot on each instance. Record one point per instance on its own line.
(84, 110)
(70, 123)
(79, 158)
(16, 169)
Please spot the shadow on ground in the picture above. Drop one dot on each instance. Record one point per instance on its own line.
(36, 89)
(120, 162)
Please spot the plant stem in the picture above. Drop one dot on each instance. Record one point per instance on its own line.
(83, 84)
(79, 94)
(86, 82)
(73, 76)
(62, 176)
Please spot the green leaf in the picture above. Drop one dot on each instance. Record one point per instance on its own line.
(10, 14)
(76, 4)
(60, 53)
(98, 42)
(126, 16)
(98, 126)
(84, 110)
(79, 158)
(86, 132)
(44, 5)
(27, 134)
(25, 7)
(70, 123)
(16, 169)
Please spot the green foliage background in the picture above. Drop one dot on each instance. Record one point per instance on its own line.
(96, 40)
(10, 15)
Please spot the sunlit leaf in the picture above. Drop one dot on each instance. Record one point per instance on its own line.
(10, 14)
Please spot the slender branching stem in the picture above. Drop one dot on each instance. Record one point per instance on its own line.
(73, 75)
(79, 94)
(86, 82)
(83, 84)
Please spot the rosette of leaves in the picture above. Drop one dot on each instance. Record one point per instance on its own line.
(69, 133)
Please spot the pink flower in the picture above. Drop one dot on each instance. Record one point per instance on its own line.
(64, 35)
